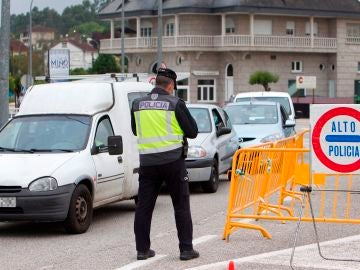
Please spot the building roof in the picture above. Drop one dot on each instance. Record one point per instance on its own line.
(17, 46)
(331, 8)
(40, 29)
(81, 45)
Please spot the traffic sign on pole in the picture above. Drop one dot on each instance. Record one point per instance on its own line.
(335, 139)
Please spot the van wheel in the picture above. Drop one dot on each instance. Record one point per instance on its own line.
(80, 211)
(212, 184)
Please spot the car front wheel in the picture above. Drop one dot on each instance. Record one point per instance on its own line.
(212, 184)
(80, 211)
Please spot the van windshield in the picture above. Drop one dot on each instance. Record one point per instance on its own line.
(284, 101)
(50, 133)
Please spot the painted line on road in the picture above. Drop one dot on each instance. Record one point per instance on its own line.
(203, 239)
(141, 263)
(275, 253)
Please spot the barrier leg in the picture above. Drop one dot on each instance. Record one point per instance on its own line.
(297, 228)
(317, 237)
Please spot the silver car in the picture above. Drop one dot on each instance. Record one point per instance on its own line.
(257, 122)
(211, 152)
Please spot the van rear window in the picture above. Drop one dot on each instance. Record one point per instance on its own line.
(284, 101)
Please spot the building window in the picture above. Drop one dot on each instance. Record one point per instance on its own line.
(146, 29)
(145, 32)
(358, 67)
(206, 90)
(296, 66)
(169, 29)
(290, 28)
(308, 29)
(333, 67)
(322, 67)
(138, 61)
(353, 30)
(183, 89)
(179, 60)
(262, 27)
(229, 26)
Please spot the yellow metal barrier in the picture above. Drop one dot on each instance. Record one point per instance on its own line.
(262, 177)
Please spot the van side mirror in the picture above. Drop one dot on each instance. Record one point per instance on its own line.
(289, 123)
(222, 131)
(115, 145)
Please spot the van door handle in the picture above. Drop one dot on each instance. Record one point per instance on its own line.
(120, 159)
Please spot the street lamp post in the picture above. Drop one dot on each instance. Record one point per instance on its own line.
(29, 78)
(123, 37)
(160, 30)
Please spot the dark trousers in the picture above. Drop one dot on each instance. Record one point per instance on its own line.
(150, 181)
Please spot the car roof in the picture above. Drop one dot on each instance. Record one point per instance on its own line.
(252, 102)
(263, 94)
(199, 105)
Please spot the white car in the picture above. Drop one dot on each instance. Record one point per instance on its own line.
(211, 152)
(281, 97)
(259, 122)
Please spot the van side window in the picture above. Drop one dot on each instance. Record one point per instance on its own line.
(217, 119)
(103, 131)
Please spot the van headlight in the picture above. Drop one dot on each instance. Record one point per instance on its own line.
(272, 137)
(196, 152)
(43, 184)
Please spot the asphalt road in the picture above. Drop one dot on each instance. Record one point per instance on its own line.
(109, 243)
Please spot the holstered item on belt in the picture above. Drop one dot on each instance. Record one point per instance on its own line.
(185, 147)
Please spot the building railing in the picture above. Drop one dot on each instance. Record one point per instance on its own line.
(222, 42)
(353, 40)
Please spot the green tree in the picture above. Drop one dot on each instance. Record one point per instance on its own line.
(105, 63)
(88, 28)
(263, 78)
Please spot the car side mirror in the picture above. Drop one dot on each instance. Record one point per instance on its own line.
(115, 145)
(223, 131)
(289, 123)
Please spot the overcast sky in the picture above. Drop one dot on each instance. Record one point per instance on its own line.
(22, 6)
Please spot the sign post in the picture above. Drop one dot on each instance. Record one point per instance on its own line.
(335, 138)
(306, 82)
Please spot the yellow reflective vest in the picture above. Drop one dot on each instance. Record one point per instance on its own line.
(157, 128)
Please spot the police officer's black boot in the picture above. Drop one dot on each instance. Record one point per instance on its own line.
(189, 254)
(143, 255)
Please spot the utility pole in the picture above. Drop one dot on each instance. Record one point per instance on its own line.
(29, 78)
(4, 61)
(160, 33)
(123, 37)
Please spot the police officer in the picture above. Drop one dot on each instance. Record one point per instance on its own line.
(162, 122)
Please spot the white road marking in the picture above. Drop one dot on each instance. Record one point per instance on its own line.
(203, 239)
(256, 258)
(141, 263)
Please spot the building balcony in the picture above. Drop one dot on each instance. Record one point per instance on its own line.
(223, 43)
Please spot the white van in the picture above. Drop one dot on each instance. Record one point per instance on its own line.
(69, 149)
(281, 97)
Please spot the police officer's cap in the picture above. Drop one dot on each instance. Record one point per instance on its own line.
(167, 72)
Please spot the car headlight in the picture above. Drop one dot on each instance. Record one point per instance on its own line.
(272, 137)
(43, 184)
(196, 152)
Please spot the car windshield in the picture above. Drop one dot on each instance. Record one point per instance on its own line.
(252, 114)
(202, 118)
(284, 101)
(50, 133)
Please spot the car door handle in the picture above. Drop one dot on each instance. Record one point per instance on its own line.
(120, 159)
